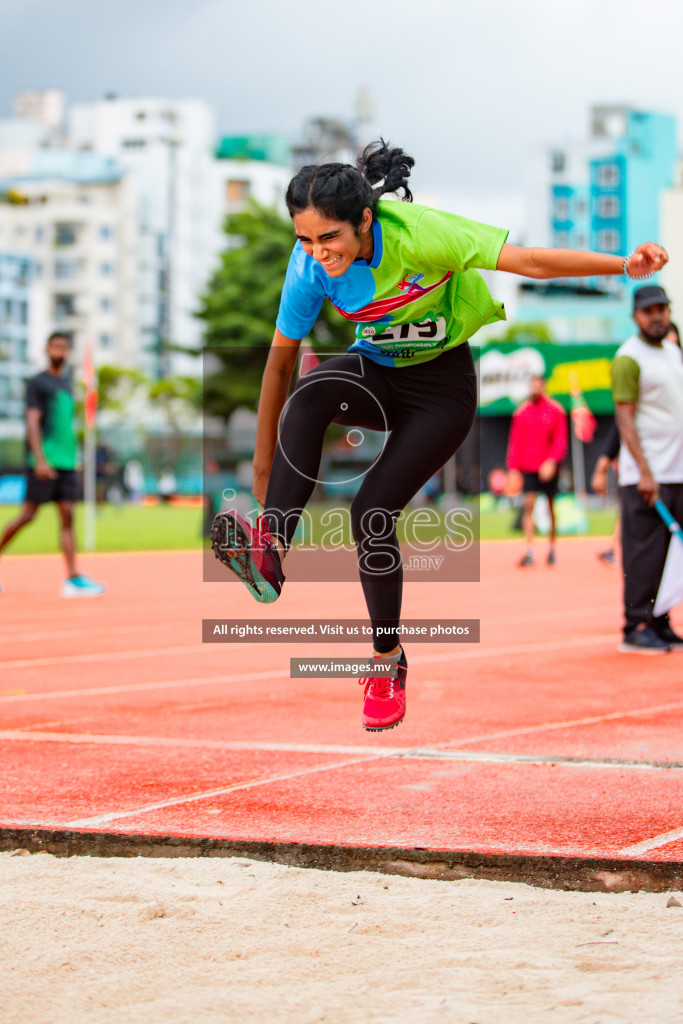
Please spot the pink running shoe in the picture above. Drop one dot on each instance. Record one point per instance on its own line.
(249, 553)
(385, 698)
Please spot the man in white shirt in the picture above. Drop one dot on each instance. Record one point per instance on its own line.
(647, 387)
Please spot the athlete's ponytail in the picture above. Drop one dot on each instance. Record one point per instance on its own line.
(343, 192)
(387, 168)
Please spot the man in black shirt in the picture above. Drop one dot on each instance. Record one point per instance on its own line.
(51, 461)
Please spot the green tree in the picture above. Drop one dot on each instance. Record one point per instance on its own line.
(531, 331)
(178, 398)
(116, 386)
(240, 307)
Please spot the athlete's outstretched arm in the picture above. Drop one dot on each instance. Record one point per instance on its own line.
(274, 391)
(548, 263)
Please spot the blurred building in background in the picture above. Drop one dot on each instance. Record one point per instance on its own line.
(248, 167)
(672, 240)
(74, 214)
(121, 204)
(15, 287)
(605, 194)
(167, 148)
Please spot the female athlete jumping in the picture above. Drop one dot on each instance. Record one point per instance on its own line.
(406, 275)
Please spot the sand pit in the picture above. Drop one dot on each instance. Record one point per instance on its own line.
(180, 941)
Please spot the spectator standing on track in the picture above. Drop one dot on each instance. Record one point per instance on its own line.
(538, 444)
(647, 385)
(52, 454)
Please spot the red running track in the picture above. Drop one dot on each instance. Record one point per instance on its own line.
(542, 740)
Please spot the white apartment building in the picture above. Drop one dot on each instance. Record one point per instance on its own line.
(167, 146)
(671, 219)
(235, 182)
(44, 106)
(184, 193)
(124, 217)
(76, 218)
(15, 366)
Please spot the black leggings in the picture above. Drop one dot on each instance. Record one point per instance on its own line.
(428, 409)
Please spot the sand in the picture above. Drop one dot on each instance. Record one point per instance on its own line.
(183, 941)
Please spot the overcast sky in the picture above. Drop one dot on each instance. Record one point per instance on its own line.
(470, 89)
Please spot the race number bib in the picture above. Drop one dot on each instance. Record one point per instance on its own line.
(399, 339)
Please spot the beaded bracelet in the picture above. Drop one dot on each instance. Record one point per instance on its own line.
(638, 277)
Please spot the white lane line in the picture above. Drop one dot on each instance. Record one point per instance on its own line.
(166, 624)
(105, 819)
(553, 726)
(80, 659)
(459, 655)
(406, 753)
(96, 691)
(187, 742)
(14, 697)
(74, 634)
(652, 844)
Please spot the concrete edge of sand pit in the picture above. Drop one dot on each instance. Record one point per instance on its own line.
(586, 874)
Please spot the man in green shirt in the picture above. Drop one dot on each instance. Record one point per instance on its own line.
(51, 461)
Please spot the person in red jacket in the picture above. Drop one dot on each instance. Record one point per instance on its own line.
(537, 446)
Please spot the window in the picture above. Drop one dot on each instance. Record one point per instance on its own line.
(40, 234)
(557, 161)
(609, 240)
(106, 340)
(561, 208)
(106, 304)
(65, 269)
(608, 175)
(106, 269)
(65, 234)
(608, 207)
(238, 191)
(581, 208)
(134, 143)
(65, 305)
(562, 239)
(106, 233)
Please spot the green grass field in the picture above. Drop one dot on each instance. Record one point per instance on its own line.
(118, 528)
(169, 527)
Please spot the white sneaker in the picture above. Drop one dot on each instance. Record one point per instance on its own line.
(82, 586)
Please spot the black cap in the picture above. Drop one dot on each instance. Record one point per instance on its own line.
(649, 295)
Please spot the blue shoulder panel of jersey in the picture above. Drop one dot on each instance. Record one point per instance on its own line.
(307, 284)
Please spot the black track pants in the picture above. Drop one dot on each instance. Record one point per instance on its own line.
(645, 542)
(428, 409)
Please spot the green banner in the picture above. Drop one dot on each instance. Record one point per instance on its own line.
(505, 372)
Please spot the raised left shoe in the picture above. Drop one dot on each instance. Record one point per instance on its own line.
(250, 553)
(385, 696)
